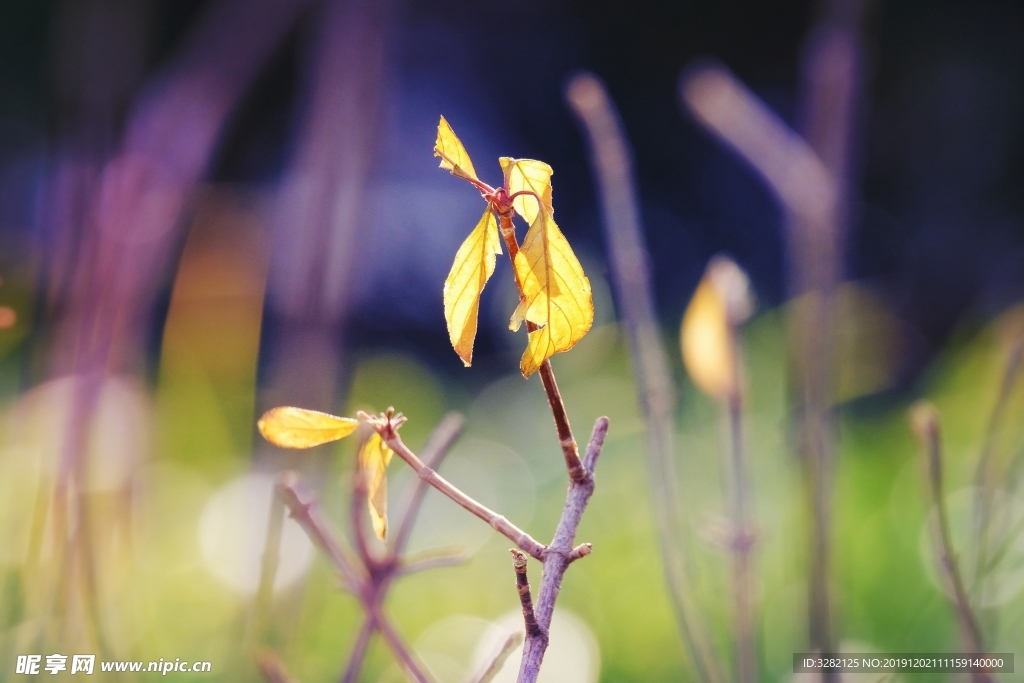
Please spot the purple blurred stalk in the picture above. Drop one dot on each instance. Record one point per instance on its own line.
(612, 165)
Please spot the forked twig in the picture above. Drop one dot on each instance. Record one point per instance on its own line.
(368, 576)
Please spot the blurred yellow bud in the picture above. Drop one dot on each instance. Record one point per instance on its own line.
(721, 303)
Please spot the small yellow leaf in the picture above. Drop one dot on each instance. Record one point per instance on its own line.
(473, 266)
(528, 175)
(722, 301)
(289, 427)
(374, 456)
(556, 293)
(453, 155)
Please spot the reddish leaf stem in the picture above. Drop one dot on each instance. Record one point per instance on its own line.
(566, 440)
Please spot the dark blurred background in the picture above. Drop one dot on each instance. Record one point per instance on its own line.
(937, 226)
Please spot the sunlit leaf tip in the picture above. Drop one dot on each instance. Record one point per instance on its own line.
(453, 154)
(721, 302)
(290, 427)
(374, 456)
(528, 176)
(557, 297)
(473, 267)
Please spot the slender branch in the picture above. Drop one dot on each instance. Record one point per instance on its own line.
(547, 376)
(387, 427)
(359, 648)
(272, 668)
(404, 655)
(611, 160)
(306, 511)
(742, 546)
(268, 566)
(533, 630)
(556, 558)
(577, 473)
(983, 475)
(925, 421)
(434, 452)
(405, 567)
(495, 664)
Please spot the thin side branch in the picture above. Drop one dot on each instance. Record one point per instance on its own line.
(306, 511)
(355, 660)
(415, 565)
(434, 452)
(533, 630)
(494, 666)
(387, 427)
(272, 668)
(925, 422)
(582, 550)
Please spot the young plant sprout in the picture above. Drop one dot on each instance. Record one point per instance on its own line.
(556, 304)
(554, 294)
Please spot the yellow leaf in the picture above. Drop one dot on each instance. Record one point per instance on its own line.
(722, 301)
(289, 427)
(473, 266)
(453, 155)
(527, 175)
(556, 293)
(374, 457)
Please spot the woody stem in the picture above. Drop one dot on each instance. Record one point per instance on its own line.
(566, 440)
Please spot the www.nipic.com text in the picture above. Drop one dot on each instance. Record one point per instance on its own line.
(86, 664)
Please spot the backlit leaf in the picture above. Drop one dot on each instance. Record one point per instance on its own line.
(556, 293)
(473, 266)
(453, 155)
(289, 427)
(374, 456)
(722, 301)
(705, 342)
(528, 175)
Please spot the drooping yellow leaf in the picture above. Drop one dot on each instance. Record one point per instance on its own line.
(556, 293)
(453, 155)
(374, 456)
(473, 266)
(289, 427)
(528, 175)
(722, 301)
(705, 342)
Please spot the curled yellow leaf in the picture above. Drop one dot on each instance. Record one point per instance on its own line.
(556, 294)
(528, 175)
(374, 456)
(720, 303)
(289, 427)
(473, 266)
(453, 155)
